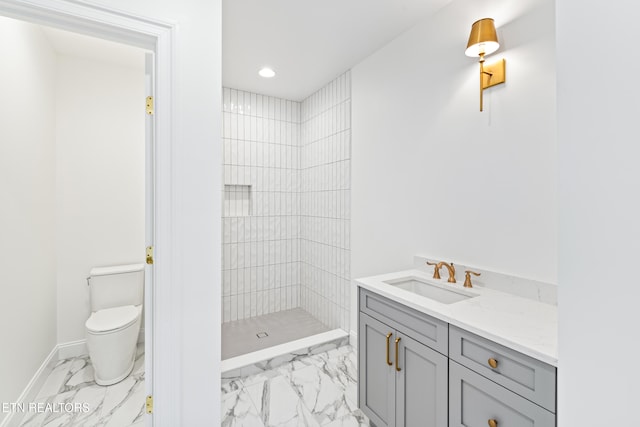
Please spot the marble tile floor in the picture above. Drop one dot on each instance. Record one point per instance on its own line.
(71, 382)
(317, 390)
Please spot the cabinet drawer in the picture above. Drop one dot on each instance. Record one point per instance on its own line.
(522, 374)
(474, 400)
(419, 326)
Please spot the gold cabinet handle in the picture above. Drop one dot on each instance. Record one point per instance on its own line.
(388, 361)
(493, 423)
(397, 358)
(493, 363)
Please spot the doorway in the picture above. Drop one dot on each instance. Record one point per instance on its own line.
(79, 191)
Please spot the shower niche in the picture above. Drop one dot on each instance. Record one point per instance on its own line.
(237, 200)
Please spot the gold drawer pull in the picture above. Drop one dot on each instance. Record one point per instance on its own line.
(388, 361)
(494, 364)
(493, 423)
(397, 358)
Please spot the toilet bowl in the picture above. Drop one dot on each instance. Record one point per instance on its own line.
(112, 335)
(116, 295)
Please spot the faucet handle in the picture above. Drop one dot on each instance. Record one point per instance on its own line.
(436, 269)
(467, 278)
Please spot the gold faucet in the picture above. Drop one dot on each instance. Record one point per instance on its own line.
(467, 278)
(451, 268)
(436, 269)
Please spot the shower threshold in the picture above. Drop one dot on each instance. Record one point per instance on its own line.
(267, 341)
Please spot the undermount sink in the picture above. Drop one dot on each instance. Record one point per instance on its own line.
(429, 290)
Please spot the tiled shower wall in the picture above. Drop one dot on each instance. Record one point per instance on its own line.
(287, 204)
(261, 222)
(325, 173)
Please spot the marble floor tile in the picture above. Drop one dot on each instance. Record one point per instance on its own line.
(324, 397)
(262, 376)
(130, 409)
(354, 419)
(316, 390)
(55, 381)
(72, 382)
(239, 411)
(229, 385)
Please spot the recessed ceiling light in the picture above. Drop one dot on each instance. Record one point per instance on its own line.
(266, 72)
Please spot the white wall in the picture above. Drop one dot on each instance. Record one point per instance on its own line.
(100, 157)
(599, 239)
(431, 174)
(196, 179)
(27, 184)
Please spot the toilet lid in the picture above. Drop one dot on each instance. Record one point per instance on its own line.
(112, 318)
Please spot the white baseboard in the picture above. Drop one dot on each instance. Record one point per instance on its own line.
(30, 392)
(72, 349)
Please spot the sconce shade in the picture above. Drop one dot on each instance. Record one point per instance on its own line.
(483, 38)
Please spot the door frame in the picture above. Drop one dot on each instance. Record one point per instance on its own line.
(159, 37)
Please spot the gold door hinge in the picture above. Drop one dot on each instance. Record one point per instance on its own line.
(149, 404)
(149, 254)
(150, 105)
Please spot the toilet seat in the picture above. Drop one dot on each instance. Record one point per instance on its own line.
(112, 319)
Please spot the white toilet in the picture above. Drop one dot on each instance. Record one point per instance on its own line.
(116, 296)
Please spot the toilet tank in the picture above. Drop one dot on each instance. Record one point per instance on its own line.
(116, 286)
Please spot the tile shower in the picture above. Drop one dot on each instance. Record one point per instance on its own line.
(287, 205)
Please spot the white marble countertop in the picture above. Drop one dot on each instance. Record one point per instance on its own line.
(522, 324)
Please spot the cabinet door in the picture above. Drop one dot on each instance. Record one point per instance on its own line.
(421, 385)
(474, 400)
(376, 377)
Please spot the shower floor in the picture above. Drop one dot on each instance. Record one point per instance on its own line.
(248, 335)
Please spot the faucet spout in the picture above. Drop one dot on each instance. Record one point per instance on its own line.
(452, 271)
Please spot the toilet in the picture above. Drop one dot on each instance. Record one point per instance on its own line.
(116, 296)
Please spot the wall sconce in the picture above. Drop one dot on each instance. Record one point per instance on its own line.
(483, 40)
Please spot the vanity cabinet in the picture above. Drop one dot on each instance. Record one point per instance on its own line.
(402, 381)
(524, 375)
(475, 401)
(490, 384)
(416, 370)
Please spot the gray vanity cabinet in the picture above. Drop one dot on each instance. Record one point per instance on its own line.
(421, 386)
(490, 384)
(406, 387)
(476, 401)
(377, 379)
(524, 375)
(443, 376)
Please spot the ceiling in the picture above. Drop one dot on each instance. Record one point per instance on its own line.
(81, 46)
(306, 42)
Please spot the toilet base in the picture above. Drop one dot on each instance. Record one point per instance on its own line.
(117, 379)
(113, 353)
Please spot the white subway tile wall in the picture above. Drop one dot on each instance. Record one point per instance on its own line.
(325, 173)
(291, 248)
(261, 223)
